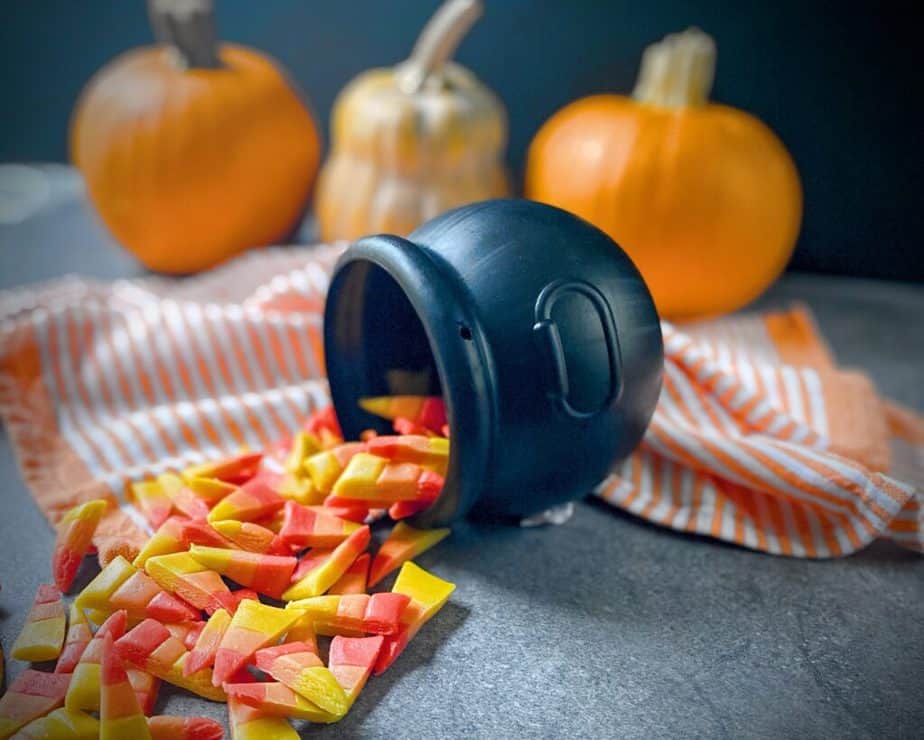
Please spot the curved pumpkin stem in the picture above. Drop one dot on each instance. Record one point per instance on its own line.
(677, 71)
(188, 28)
(438, 40)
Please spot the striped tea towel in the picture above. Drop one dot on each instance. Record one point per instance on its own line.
(758, 439)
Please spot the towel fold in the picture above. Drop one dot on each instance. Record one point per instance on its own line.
(758, 439)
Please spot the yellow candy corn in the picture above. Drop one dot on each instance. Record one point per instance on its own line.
(42, 636)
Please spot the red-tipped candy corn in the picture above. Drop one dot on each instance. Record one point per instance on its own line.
(202, 655)
(42, 636)
(251, 723)
(152, 501)
(353, 613)
(60, 725)
(146, 688)
(247, 535)
(304, 673)
(253, 626)
(183, 575)
(229, 470)
(354, 580)
(312, 526)
(404, 543)
(320, 578)
(427, 595)
(120, 715)
(323, 419)
(31, 695)
(352, 660)
(277, 700)
(76, 641)
(267, 574)
(75, 534)
(166, 727)
(255, 500)
(83, 692)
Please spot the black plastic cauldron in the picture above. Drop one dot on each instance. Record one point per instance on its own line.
(533, 325)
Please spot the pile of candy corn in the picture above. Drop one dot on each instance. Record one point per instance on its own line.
(252, 558)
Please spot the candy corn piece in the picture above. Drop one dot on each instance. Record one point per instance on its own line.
(167, 727)
(76, 641)
(297, 667)
(96, 594)
(186, 632)
(253, 626)
(183, 575)
(352, 511)
(352, 660)
(418, 449)
(210, 490)
(120, 716)
(32, 694)
(429, 486)
(229, 469)
(83, 692)
(324, 420)
(176, 535)
(299, 487)
(145, 686)
(61, 725)
(373, 479)
(75, 534)
(312, 526)
(427, 411)
(304, 444)
(250, 723)
(428, 593)
(363, 613)
(42, 636)
(404, 543)
(324, 575)
(152, 501)
(277, 700)
(266, 574)
(150, 647)
(141, 597)
(255, 500)
(325, 467)
(246, 535)
(240, 595)
(202, 655)
(354, 580)
(183, 500)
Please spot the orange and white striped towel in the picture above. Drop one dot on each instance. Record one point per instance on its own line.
(758, 439)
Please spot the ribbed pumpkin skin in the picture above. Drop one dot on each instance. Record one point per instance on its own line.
(189, 167)
(398, 160)
(705, 199)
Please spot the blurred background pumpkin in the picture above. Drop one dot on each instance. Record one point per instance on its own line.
(193, 150)
(704, 197)
(412, 141)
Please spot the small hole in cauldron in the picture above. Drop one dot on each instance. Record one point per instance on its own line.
(465, 333)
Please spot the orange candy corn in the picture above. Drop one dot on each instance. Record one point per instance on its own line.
(236, 469)
(419, 449)
(266, 574)
(352, 660)
(75, 534)
(176, 534)
(183, 575)
(76, 641)
(251, 723)
(425, 411)
(252, 627)
(354, 580)
(298, 667)
(255, 500)
(32, 694)
(427, 593)
(277, 700)
(325, 467)
(152, 501)
(120, 716)
(312, 526)
(150, 647)
(372, 480)
(83, 691)
(322, 576)
(166, 727)
(202, 655)
(429, 486)
(141, 597)
(247, 535)
(404, 543)
(354, 613)
(145, 686)
(42, 636)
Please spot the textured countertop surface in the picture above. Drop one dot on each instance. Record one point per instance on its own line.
(605, 626)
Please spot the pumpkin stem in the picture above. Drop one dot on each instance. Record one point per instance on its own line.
(677, 71)
(188, 28)
(438, 40)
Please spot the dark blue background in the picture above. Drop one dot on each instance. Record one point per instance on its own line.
(836, 81)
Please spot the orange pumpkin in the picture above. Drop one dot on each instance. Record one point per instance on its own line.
(704, 197)
(192, 151)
